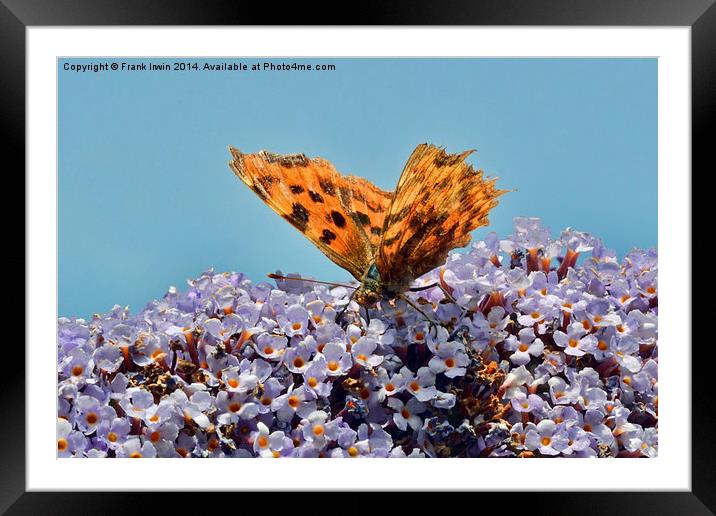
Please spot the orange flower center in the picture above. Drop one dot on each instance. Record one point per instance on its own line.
(154, 437)
(235, 406)
(91, 418)
(419, 335)
(318, 430)
(389, 387)
(296, 326)
(586, 324)
(213, 444)
(233, 383)
(268, 350)
(364, 393)
(415, 386)
(602, 345)
(266, 401)
(587, 427)
(535, 315)
(298, 362)
(112, 437)
(312, 382)
(353, 451)
(77, 370)
(573, 343)
(262, 441)
(523, 347)
(545, 441)
(135, 455)
(61, 444)
(332, 365)
(405, 413)
(154, 418)
(293, 401)
(362, 357)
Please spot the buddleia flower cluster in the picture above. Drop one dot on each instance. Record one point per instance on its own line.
(526, 346)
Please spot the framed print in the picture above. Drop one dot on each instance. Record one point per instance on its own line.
(257, 242)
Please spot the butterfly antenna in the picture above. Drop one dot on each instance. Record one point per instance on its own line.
(280, 277)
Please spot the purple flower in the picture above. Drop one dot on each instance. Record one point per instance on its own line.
(421, 385)
(546, 438)
(450, 359)
(521, 402)
(407, 414)
(338, 360)
(576, 342)
(525, 346)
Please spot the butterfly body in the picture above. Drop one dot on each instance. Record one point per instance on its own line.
(372, 289)
(384, 239)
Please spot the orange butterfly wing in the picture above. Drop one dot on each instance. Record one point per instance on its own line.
(439, 200)
(342, 215)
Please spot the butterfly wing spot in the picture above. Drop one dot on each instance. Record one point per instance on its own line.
(315, 196)
(296, 189)
(338, 219)
(363, 218)
(298, 216)
(327, 237)
(376, 230)
(327, 186)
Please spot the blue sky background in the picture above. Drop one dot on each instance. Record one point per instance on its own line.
(146, 198)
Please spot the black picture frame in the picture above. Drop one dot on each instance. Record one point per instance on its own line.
(17, 15)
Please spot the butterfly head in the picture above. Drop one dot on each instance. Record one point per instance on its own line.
(371, 288)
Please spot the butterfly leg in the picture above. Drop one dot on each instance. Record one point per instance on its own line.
(432, 285)
(433, 324)
(448, 296)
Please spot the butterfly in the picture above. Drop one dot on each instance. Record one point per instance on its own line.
(384, 239)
